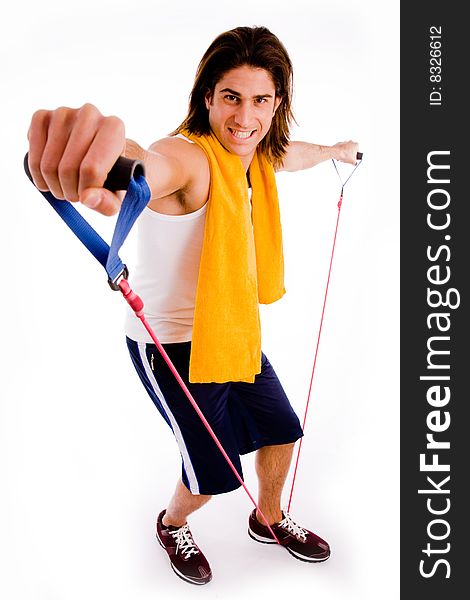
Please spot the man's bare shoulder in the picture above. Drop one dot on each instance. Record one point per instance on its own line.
(180, 148)
(191, 166)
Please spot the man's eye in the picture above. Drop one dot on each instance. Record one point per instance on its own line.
(231, 98)
(261, 100)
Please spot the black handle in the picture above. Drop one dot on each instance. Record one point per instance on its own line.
(123, 170)
(359, 156)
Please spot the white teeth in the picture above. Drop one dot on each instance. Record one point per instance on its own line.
(241, 134)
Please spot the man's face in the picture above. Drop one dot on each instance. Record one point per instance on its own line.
(241, 110)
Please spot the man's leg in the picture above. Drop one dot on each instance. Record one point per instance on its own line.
(182, 504)
(175, 537)
(272, 466)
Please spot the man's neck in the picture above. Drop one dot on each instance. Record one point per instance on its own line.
(246, 161)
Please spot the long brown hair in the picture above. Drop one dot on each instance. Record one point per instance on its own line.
(255, 47)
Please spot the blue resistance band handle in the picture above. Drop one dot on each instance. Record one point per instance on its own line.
(126, 174)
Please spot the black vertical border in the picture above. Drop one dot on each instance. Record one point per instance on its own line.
(424, 129)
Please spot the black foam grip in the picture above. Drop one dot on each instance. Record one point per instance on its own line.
(26, 168)
(123, 170)
(359, 156)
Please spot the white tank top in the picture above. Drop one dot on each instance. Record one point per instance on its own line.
(165, 277)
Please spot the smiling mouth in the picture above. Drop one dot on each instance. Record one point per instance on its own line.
(242, 135)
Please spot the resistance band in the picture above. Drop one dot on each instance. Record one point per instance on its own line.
(129, 175)
(340, 202)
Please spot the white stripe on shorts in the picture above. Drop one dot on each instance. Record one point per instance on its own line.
(188, 466)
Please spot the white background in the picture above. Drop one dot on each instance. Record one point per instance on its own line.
(86, 462)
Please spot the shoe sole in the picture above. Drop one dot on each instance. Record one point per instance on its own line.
(262, 540)
(181, 575)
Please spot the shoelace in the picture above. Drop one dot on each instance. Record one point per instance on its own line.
(291, 526)
(184, 541)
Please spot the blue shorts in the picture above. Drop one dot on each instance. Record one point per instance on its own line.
(244, 416)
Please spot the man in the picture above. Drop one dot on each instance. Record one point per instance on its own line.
(210, 249)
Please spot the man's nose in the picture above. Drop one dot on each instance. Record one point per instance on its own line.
(243, 114)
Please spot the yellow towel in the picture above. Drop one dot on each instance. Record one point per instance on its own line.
(241, 264)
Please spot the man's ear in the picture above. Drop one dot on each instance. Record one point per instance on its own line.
(208, 99)
(277, 102)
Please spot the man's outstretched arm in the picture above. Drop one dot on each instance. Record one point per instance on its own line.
(71, 151)
(303, 155)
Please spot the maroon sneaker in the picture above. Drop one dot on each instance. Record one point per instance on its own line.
(186, 560)
(300, 542)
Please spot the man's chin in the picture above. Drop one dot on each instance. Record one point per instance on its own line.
(240, 149)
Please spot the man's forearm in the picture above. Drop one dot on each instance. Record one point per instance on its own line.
(304, 155)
